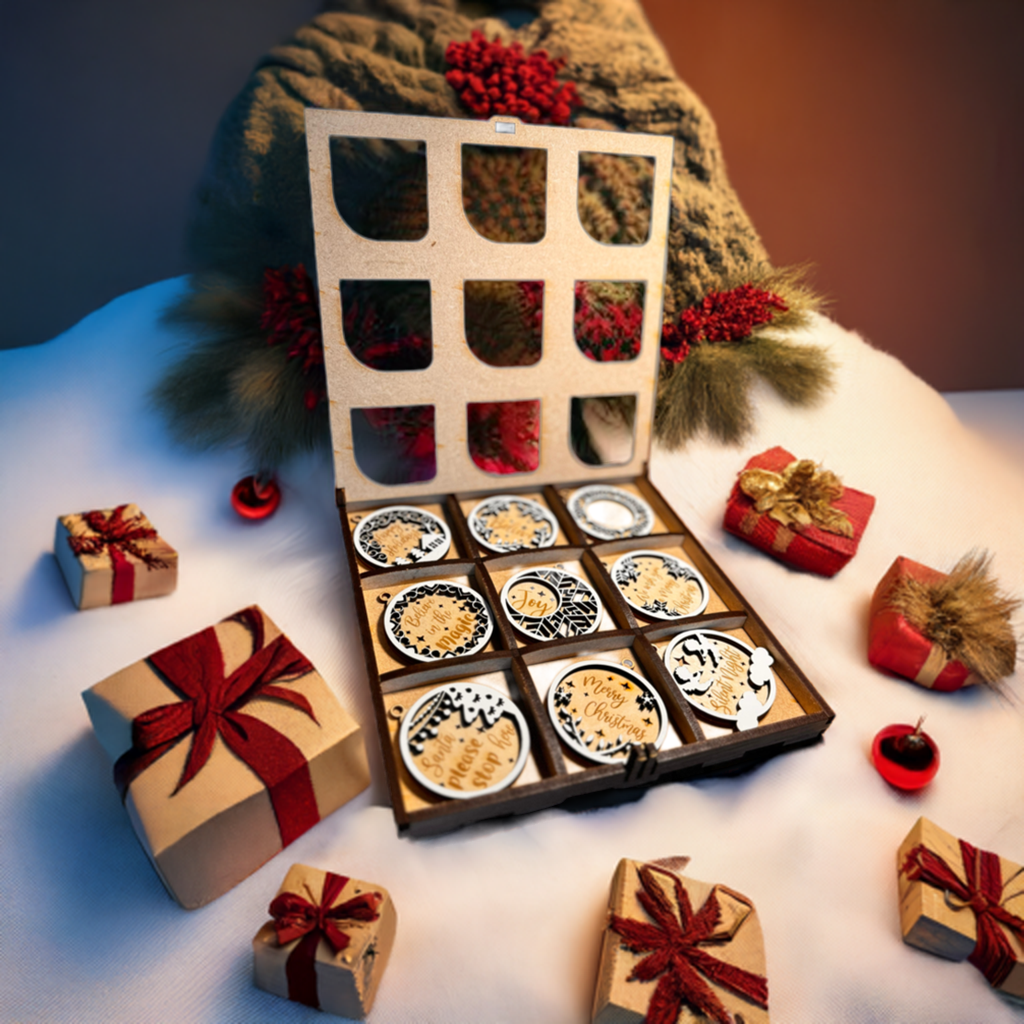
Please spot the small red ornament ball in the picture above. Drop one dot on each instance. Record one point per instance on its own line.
(255, 499)
(902, 765)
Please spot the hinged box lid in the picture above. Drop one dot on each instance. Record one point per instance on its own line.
(452, 252)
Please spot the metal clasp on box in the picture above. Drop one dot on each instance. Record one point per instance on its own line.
(641, 764)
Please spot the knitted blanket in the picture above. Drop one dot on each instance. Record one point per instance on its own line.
(255, 375)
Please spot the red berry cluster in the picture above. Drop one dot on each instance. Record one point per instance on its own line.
(291, 316)
(504, 436)
(607, 332)
(492, 78)
(409, 431)
(720, 316)
(374, 344)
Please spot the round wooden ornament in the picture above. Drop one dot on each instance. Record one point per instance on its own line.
(610, 513)
(660, 585)
(601, 710)
(505, 523)
(401, 535)
(438, 619)
(547, 603)
(722, 676)
(463, 740)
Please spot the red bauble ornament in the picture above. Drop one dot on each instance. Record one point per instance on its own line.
(255, 498)
(905, 757)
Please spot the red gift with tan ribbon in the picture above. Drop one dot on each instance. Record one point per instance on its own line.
(679, 951)
(963, 903)
(228, 745)
(114, 555)
(797, 512)
(328, 943)
(943, 630)
(895, 645)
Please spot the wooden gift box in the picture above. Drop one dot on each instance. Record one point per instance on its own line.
(450, 253)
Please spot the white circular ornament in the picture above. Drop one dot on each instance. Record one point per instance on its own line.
(660, 585)
(601, 710)
(722, 676)
(548, 603)
(463, 740)
(439, 619)
(610, 513)
(507, 523)
(401, 535)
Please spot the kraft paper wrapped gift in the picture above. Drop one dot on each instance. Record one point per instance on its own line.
(328, 943)
(114, 555)
(679, 950)
(894, 644)
(228, 745)
(799, 512)
(963, 903)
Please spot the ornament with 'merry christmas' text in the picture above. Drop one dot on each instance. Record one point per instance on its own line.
(602, 710)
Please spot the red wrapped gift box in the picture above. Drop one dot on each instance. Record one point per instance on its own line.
(806, 547)
(895, 645)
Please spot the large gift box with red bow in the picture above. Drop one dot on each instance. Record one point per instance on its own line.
(109, 556)
(227, 746)
(328, 943)
(676, 949)
(797, 512)
(963, 903)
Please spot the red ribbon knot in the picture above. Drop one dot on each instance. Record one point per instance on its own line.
(295, 917)
(982, 893)
(211, 706)
(119, 537)
(673, 943)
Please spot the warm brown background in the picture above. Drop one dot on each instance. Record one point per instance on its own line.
(880, 139)
(884, 141)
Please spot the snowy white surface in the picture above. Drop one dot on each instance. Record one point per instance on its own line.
(501, 921)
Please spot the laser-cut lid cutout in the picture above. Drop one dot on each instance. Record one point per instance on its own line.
(452, 252)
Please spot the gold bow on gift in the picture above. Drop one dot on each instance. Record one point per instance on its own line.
(801, 495)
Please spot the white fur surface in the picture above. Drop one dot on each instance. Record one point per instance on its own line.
(502, 921)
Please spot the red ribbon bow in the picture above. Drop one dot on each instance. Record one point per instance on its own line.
(118, 536)
(674, 947)
(982, 893)
(211, 707)
(296, 917)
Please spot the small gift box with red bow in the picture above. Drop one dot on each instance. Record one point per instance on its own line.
(113, 555)
(676, 949)
(943, 631)
(963, 903)
(328, 943)
(227, 746)
(797, 512)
